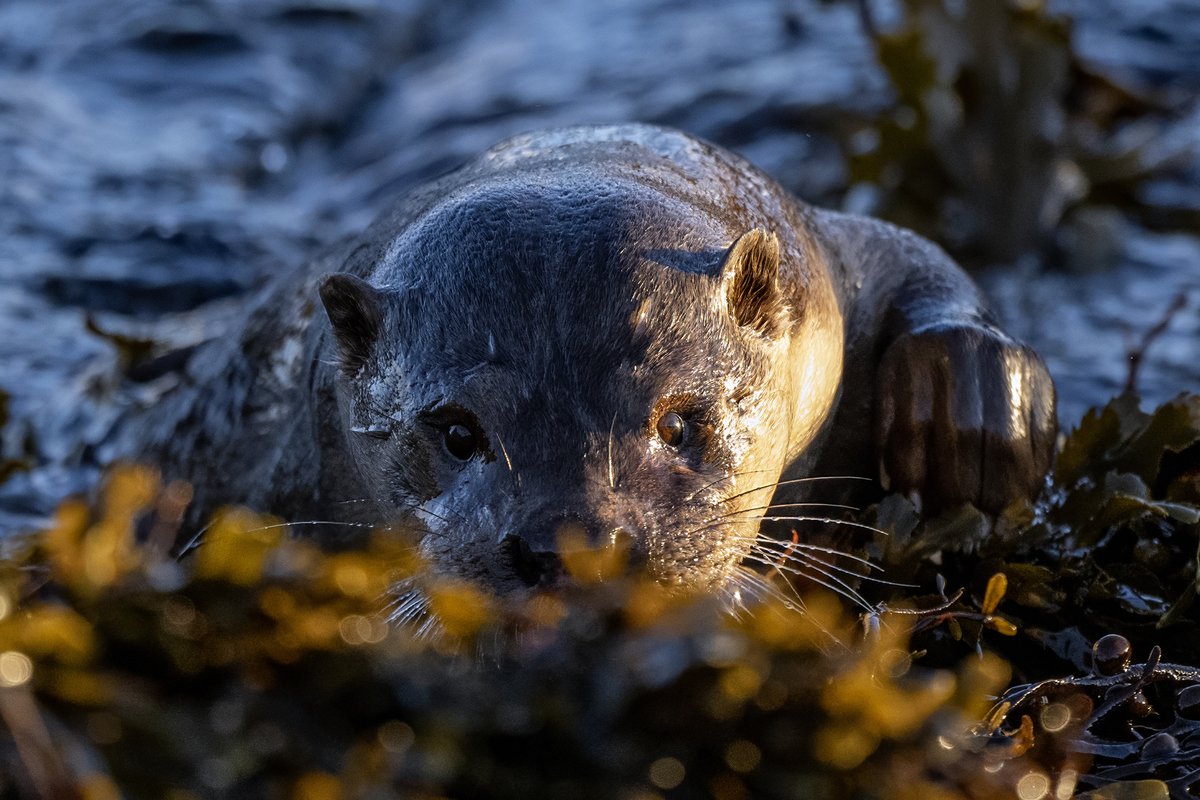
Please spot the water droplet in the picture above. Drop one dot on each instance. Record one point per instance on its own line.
(1111, 654)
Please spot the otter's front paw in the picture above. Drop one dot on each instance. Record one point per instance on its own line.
(964, 415)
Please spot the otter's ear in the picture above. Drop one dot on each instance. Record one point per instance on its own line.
(750, 276)
(355, 311)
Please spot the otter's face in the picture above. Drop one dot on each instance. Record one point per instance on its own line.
(521, 375)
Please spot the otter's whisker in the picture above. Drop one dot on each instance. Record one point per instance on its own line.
(785, 556)
(777, 506)
(731, 516)
(732, 519)
(810, 559)
(400, 591)
(303, 522)
(721, 479)
(380, 411)
(797, 552)
(793, 481)
(194, 542)
(763, 588)
(409, 607)
(790, 545)
(779, 593)
(841, 506)
(430, 629)
(612, 467)
(412, 608)
(409, 504)
(828, 521)
(831, 582)
(504, 451)
(419, 508)
(756, 586)
(794, 552)
(798, 518)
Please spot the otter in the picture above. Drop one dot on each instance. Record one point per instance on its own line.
(621, 333)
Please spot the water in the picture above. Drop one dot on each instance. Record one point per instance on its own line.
(158, 159)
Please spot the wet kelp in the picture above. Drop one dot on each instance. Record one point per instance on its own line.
(1052, 651)
(1002, 142)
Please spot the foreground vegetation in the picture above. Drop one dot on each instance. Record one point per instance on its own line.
(259, 666)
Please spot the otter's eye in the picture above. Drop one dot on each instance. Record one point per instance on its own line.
(460, 441)
(670, 428)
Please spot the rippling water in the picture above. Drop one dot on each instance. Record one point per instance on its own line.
(157, 159)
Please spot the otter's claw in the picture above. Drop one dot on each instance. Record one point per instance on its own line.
(964, 415)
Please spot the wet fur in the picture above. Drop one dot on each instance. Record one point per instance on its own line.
(558, 294)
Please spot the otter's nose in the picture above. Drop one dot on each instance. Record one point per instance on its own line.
(537, 560)
(534, 567)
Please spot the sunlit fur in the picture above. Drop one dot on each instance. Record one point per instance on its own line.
(563, 308)
(557, 295)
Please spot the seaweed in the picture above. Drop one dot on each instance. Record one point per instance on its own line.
(9, 466)
(1048, 651)
(1001, 141)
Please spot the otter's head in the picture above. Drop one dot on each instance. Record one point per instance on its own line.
(541, 358)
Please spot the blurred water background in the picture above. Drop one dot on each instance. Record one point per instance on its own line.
(160, 159)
